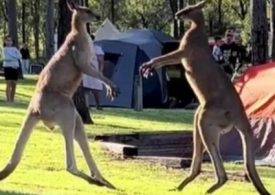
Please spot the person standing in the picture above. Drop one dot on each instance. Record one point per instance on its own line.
(90, 84)
(230, 52)
(25, 58)
(216, 52)
(11, 57)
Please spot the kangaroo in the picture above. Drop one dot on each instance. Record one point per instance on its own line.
(52, 99)
(220, 108)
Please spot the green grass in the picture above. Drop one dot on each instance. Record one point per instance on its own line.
(42, 169)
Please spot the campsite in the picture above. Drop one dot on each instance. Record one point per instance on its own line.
(44, 165)
(135, 97)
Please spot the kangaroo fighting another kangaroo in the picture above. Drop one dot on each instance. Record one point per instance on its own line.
(52, 100)
(220, 108)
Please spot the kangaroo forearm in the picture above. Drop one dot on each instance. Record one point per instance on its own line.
(89, 70)
(168, 59)
(166, 62)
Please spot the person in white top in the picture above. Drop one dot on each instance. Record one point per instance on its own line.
(11, 57)
(216, 52)
(90, 84)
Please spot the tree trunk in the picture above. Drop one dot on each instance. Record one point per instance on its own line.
(12, 21)
(12, 27)
(63, 29)
(220, 22)
(174, 8)
(210, 24)
(272, 29)
(23, 22)
(259, 32)
(5, 16)
(50, 30)
(181, 22)
(36, 21)
(64, 22)
(113, 11)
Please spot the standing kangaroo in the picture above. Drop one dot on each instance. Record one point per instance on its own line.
(52, 100)
(220, 108)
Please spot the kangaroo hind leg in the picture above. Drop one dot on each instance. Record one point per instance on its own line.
(210, 129)
(197, 154)
(82, 140)
(25, 132)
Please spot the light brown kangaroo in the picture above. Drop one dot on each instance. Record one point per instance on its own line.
(52, 100)
(220, 108)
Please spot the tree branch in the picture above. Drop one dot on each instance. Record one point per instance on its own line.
(143, 19)
(4, 10)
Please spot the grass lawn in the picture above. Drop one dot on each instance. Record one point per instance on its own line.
(42, 169)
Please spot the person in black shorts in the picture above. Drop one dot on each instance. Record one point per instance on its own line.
(11, 56)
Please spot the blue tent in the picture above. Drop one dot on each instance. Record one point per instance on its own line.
(125, 53)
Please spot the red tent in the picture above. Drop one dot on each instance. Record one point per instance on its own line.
(257, 91)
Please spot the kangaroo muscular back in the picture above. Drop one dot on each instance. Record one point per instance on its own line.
(62, 66)
(206, 78)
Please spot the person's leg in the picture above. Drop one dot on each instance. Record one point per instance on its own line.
(23, 66)
(86, 97)
(27, 66)
(8, 90)
(13, 90)
(97, 102)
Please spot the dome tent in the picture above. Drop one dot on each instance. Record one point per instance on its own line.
(125, 53)
(257, 91)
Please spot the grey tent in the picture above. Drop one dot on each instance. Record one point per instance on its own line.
(125, 53)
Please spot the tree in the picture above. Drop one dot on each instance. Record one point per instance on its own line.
(178, 26)
(63, 29)
(12, 20)
(174, 9)
(23, 18)
(241, 8)
(36, 26)
(50, 29)
(259, 32)
(220, 15)
(63, 21)
(272, 29)
(3, 19)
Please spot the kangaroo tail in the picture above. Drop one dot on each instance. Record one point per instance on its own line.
(26, 130)
(249, 161)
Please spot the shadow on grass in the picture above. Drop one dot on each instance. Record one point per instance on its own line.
(159, 115)
(12, 193)
(29, 80)
(21, 104)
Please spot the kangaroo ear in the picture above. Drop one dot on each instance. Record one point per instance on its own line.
(71, 5)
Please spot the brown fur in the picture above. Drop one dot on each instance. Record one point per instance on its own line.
(220, 107)
(52, 100)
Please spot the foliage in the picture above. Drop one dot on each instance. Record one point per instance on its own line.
(129, 14)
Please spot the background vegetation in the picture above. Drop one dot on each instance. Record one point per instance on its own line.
(31, 18)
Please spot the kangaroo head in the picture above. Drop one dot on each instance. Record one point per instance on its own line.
(81, 12)
(191, 11)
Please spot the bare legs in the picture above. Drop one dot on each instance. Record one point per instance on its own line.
(10, 90)
(72, 128)
(97, 101)
(206, 135)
